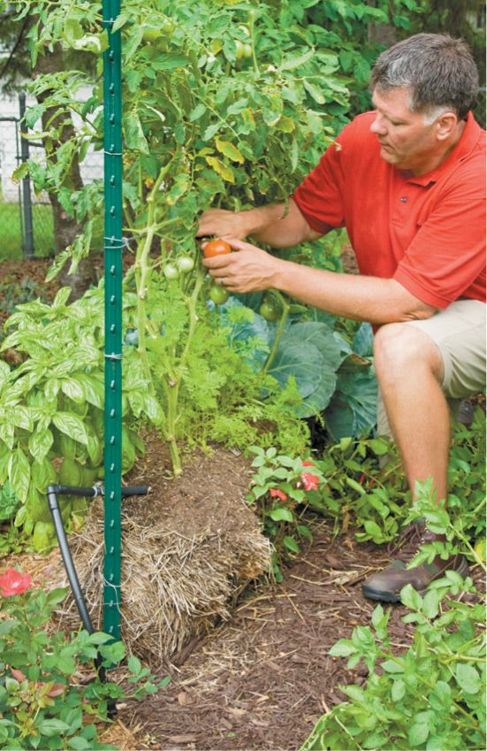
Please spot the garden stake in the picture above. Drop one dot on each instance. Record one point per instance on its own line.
(52, 492)
(113, 245)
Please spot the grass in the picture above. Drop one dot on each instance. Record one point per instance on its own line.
(11, 236)
(42, 220)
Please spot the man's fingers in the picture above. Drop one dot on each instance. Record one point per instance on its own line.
(217, 262)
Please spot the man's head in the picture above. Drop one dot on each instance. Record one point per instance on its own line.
(422, 89)
(439, 72)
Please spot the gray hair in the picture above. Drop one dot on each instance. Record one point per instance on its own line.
(439, 70)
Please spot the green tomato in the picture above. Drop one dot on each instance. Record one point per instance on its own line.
(240, 51)
(171, 271)
(185, 264)
(269, 311)
(151, 34)
(218, 294)
(168, 25)
(247, 50)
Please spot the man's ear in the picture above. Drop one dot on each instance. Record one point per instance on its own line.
(446, 125)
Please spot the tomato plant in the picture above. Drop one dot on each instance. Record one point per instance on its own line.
(224, 105)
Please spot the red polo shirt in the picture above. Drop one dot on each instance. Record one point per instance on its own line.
(426, 232)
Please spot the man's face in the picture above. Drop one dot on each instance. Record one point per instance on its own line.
(406, 139)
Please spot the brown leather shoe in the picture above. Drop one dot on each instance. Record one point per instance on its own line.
(386, 585)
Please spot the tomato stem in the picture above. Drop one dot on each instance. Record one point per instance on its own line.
(277, 338)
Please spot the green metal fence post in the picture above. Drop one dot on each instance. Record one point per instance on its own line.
(112, 128)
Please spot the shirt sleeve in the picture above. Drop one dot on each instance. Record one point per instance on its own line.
(447, 254)
(319, 197)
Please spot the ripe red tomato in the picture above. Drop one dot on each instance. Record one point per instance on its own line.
(216, 248)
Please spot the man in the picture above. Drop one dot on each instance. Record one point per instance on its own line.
(406, 180)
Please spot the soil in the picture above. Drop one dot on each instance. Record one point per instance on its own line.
(263, 678)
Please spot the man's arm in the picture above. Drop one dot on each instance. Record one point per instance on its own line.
(277, 225)
(363, 298)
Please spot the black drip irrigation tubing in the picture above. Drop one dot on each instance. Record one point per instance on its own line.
(52, 498)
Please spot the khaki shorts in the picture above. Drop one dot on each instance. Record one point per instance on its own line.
(459, 333)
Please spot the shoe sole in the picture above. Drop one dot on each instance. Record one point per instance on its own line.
(393, 597)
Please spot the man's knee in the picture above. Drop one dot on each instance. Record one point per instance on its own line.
(399, 348)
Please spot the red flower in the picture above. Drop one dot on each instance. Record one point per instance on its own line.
(310, 481)
(12, 582)
(275, 493)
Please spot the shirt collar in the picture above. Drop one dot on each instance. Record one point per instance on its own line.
(465, 145)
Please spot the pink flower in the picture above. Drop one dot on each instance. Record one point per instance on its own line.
(12, 582)
(275, 493)
(310, 481)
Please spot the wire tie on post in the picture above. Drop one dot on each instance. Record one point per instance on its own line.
(123, 242)
(113, 356)
(113, 603)
(112, 153)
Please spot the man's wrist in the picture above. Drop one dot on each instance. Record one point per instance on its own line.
(259, 219)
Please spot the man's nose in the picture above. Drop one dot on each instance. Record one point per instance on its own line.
(378, 125)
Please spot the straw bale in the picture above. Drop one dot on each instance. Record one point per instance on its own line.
(187, 552)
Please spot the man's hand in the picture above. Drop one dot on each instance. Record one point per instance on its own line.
(279, 225)
(249, 270)
(223, 223)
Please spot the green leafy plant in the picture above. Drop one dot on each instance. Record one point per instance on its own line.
(431, 695)
(9, 502)
(187, 383)
(282, 488)
(51, 407)
(374, 501)
(330, 377)
(351, 489)
(16, 292)
(42, 702)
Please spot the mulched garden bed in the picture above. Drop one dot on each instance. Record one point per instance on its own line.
(263, 678)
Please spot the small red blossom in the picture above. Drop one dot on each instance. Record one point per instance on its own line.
(310, 482)
(12, 582)
(275, 493)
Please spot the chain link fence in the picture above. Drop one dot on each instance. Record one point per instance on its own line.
(26, 218)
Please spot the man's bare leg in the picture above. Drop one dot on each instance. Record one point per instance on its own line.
(409, 369)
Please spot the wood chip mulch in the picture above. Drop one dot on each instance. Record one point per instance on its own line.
(263, 678)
